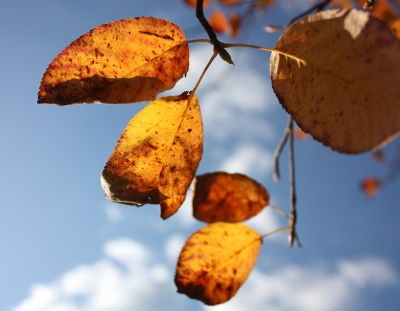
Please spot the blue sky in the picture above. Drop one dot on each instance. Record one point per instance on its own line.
(64, 247)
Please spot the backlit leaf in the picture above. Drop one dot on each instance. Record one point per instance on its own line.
(370, 186)
(348, 94)
(157, 155)
(216, 260)
(218, 21)
(119, 62)
(227, 197)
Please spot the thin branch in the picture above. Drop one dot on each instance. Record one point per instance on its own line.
(276, 231)
(279, 149)
(203, 21)
(205, 69)
(317, 7)
(293, 199)
(279, 211)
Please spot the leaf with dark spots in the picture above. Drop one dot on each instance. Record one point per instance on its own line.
(227, 197)
(117, 63)
(347, 94)
(156, 159)
(216, 260)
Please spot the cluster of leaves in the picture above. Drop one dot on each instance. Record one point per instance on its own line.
(320, 70)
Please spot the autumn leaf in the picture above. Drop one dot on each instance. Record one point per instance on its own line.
(216, 260)
(119, 62)
(227, 197)
(235, 22)
(157, 155)
(370, 186)
(218, 21)
(230, 2)
(347, 96)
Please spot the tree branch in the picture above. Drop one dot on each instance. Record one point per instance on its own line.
(278, 150)
(293, 199)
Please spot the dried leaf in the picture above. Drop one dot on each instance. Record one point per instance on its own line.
(370, 186)
(235, 23)
(347, 96)
(227, 197)
(119, 62)
(218, 21)
(216, 260)
(157, 155)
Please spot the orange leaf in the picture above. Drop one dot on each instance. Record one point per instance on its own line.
(347, 94)
(216, 260)
(230, 2)
(235, 23)
(157, 155)
(218, 21)
(119, 62)
(227, 197)
(192, 3)
(370, 186)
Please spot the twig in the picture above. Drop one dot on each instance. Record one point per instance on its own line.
(318, 7)
(276, 231)
(279, 148)
(211, 33)
(279, 211)
(293, 199)
(204, 71)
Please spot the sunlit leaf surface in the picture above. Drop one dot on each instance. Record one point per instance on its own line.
(227, 197)
(119, 62)
(348, 94)
(371, 186)
(216, 260)
(157, 155)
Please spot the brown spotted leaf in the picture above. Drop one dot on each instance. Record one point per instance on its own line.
(348, 94)
(227, 197)
(119, 62)
(216, 260)
(157, 155)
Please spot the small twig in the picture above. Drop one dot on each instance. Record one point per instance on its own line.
(293, 199)
(211, 33)
(279, 211)
(278, 150)
(205, 69)
(317, 7)
(276, 231)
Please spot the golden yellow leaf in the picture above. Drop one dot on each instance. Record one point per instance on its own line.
(348, 94)
(119, 62)
(216, 260)
(227, 197)
(157, 155)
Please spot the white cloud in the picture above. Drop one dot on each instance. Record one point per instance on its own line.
(266, 221)
(127, 278)
(113, 212)
(312, 288)
(248, 159)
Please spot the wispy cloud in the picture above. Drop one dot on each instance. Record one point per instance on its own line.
(128, 278)
(313, 287)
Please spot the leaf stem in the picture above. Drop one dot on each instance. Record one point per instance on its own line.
(318, 6)
(275, 231)
(205, 69)
(279, 211)
(263, 48)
